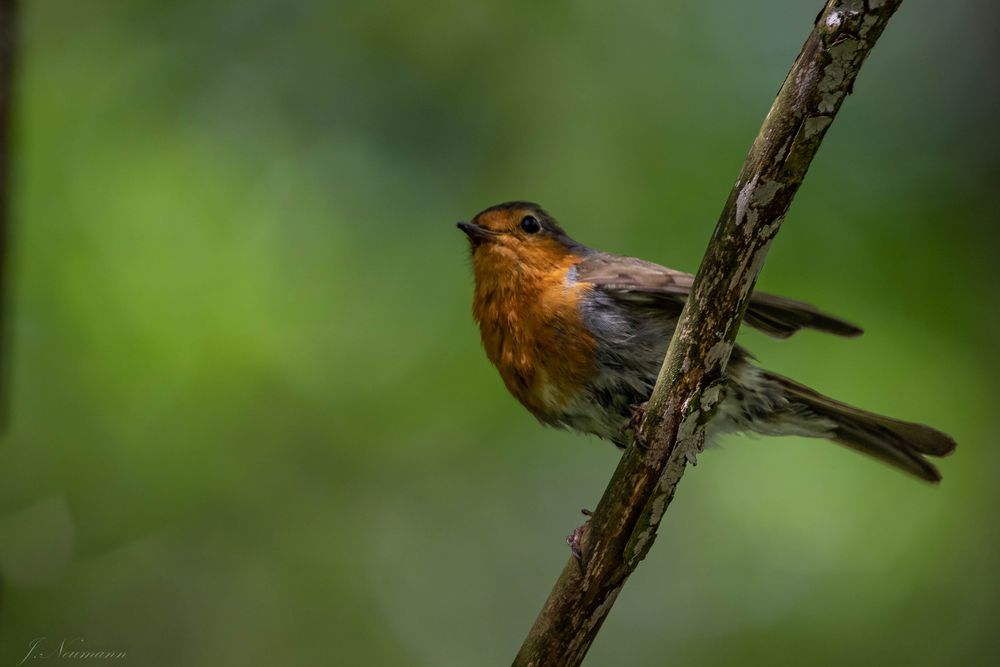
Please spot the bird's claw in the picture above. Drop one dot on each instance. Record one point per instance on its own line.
(638, 414)
(575, 539)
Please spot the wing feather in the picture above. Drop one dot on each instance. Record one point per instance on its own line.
(636, 280)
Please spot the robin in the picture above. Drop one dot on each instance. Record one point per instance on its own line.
(579, 336)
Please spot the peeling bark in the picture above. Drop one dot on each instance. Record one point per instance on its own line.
(623, 527)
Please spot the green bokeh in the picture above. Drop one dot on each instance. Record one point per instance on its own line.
(251, 421)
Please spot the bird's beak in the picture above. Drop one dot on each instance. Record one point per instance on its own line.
(476, 233)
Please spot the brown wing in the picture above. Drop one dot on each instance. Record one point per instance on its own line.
(631, 279)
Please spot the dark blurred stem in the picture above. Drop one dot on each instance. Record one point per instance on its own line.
(8, 32)
(8, 46)
(624, 525)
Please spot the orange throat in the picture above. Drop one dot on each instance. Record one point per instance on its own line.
(531, 327)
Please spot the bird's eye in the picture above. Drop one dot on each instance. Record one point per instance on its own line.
(530, 224)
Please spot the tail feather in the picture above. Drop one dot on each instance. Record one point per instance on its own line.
(898, 443)
(860, 439)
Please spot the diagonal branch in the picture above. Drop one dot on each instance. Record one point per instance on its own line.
(624, 525)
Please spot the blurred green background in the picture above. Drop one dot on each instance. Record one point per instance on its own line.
(251, 420)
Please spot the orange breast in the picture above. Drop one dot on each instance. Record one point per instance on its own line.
(531, 327)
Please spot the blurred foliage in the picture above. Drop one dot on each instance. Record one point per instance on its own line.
(252, 422)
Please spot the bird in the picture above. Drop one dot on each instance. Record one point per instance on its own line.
(578, 336)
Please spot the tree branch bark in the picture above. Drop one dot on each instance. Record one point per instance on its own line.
(623, 527)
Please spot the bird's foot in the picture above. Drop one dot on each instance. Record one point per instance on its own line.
(638, 414)
(575, 539)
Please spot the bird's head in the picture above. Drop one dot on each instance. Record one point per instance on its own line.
(518, 236)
